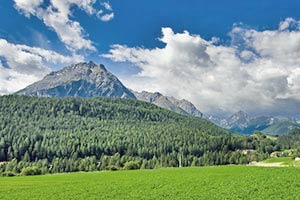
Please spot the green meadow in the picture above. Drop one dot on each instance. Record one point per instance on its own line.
(226, 182)
(285, 161)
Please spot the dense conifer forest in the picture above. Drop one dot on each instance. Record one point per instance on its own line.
(50, 135)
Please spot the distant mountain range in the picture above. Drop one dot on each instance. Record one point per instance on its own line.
(240, 122)
(89, 80)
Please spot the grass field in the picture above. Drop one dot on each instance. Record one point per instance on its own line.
(286, 161)
(227, 182)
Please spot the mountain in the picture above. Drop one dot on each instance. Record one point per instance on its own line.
(222, 122)
(90, 80)
(88, 134)
(179, 106)
(79, 80)
(274, 125)
(240, 122)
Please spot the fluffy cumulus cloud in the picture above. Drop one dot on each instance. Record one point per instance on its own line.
(259, 71)
(21, 65)
(56, 15)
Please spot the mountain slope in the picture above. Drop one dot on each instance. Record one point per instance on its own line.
(280, 126)
(241, 123)
(179, 106)
(85, 134)
(88, 134)
(238, 121)
(79, 80)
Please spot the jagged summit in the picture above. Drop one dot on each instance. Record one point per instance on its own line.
(239, 119)
(85, 79)
(89, 64)
(180, 106)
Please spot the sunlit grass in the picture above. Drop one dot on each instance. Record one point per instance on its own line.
(226, 182)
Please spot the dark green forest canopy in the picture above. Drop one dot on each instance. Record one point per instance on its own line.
(290, 140)
(76, 134)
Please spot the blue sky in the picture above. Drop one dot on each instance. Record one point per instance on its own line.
(138, 23)
(137, 26)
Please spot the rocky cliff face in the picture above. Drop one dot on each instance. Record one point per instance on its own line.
(170, 103)
(79, 80)
(238, 120)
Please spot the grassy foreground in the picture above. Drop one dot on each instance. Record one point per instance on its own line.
(227, 182)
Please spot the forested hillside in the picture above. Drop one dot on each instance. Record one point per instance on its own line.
(291, 140)
(74, 134)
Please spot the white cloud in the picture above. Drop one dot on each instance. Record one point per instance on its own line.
(107, 17)
(99, 13)
(28, 7)
(26, 65)
(259, 72)
(289, 23)
(56, 15)
(107, 6)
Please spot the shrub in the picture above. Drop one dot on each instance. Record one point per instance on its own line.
(8, 174)
(29, 171)
(131, 165)
(112, 168)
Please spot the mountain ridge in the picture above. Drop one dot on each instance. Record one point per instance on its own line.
(240, 122)
(180, 106)
(87, 79)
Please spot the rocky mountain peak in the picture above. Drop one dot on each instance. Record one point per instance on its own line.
(239, 119)
(87, 65)
(148, 96)
(85, 79)
(180, 106)
(239, 115)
